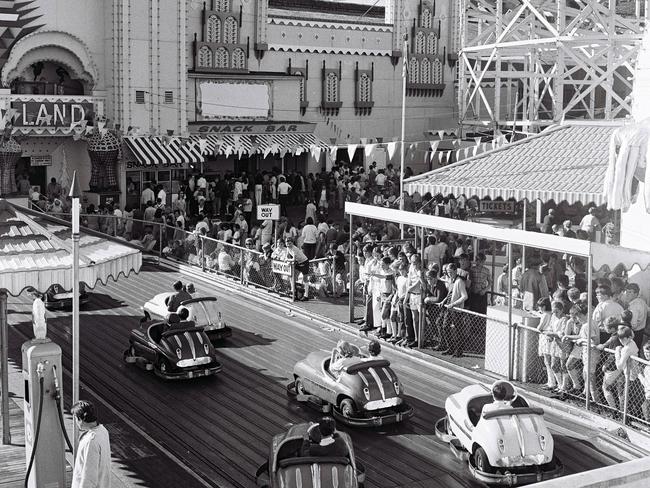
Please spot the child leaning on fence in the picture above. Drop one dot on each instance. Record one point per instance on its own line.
(545, 341)
(573, 327)
(558, 349)
(587, 339)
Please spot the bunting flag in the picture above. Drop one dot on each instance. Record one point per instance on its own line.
(298, 151)
(475, 150)
(440, 157)
(275, 147)
(333, 152)
(434, 146)
(477, 140)
(237, 139)
(455, 142)
(227, 150)
(391, 147)
(369, 149)
(494, 143)
(316, 152)
(203, 145)
(466, 152)
(458, 155)
(441, 134)
(352, 148)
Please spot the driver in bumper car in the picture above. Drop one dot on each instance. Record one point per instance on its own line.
(503, 394)
(324, 441)
(178, 297)
(343, 350)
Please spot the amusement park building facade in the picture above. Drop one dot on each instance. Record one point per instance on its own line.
(139, 91)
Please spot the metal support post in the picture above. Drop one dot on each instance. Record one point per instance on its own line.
(75, 314)
(510, 331)
(352, 280)
(241, 267)
(4, 359)
(202, 253)
(160, 246)
(626, 391)
(293, 281)
(589, 325)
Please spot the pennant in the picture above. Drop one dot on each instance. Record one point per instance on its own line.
(477, 140)
(333, 151)
(475, 150)
(494, 143)
(316, 152)
(391, 147)
(434, 145)
(458, 155)
(454, 142)
(441, 134)
(352, 148)
(369, 149)
(440, 157)
(203, 146)
(227, 150)
(237, 139)
(267, 151)
(466, 151)
(298, 151)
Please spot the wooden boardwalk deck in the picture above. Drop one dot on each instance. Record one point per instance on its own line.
(221, 426)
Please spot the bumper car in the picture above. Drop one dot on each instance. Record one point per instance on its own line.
(287, 468)
(203, 311)
(506, 443)
(172, 348)
(56, 298)
(364, 393)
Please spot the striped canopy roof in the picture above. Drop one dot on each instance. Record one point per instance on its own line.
(36, 251)
(563, 163)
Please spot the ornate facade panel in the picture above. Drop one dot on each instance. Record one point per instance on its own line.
(213, 29)
(205, 57)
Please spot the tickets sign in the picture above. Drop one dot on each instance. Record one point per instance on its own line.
(281, 267)
(268, 212)
(497, 206)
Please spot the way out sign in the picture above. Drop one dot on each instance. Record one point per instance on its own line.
(281, 267)
(266, 212)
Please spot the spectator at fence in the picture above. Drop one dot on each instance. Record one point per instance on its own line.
(606, 307)
(533, 284)
(571, 333)
(481, 282)
(435, 295)
(225, 262)
(454, 323)
(301, 267)
(556, 330)
(397, 305)
(414, 294)
(386, 287)
(545, 341)
(364, 276)
(613, 381)
(639, 309)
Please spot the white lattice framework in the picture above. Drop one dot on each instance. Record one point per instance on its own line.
(531, 63)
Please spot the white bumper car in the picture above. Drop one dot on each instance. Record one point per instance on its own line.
(506, 443)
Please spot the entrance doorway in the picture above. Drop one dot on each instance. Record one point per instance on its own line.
(37, 174)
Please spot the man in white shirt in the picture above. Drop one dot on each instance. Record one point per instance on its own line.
(202, 183)
(147, 195)
(590, 223)
(639, 309)
(380, 179)
(92, 467)
(162, 194)
(283, 195)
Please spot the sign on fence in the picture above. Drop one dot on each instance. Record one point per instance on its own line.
(265, 212)
(281, 267)
(497, 206)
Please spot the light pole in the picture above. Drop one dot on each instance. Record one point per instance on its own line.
(74, 194)
(401, 166)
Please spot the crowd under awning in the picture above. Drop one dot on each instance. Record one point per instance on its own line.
(163, 151)
(564, 163)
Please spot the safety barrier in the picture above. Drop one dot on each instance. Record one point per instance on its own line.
(505, 344)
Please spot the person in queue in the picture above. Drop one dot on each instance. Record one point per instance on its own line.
(301, 264)
(179, 296)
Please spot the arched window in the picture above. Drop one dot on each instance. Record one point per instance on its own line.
(222, 58)
(205, 57)
(437, 72)
(432, 44)
(222, 5)
(332, 88)
(213, 29)
(414, 71)
(426, 20)
(420, 43)
(238, 59)
(302, 84)
(230, 31)
(364, 88)
(425, 71)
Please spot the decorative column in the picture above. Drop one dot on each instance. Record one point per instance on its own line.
(103, 151)
(10, 152)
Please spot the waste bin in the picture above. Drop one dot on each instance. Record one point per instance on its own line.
(527, 366)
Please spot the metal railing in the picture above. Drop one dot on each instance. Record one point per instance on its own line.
(505, 345)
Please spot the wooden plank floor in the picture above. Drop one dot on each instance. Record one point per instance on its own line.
(221, 426)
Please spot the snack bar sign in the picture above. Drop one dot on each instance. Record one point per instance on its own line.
(268, 212)
(51, 113)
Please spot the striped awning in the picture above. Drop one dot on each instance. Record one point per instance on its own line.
(159, 151)
(229, 144)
